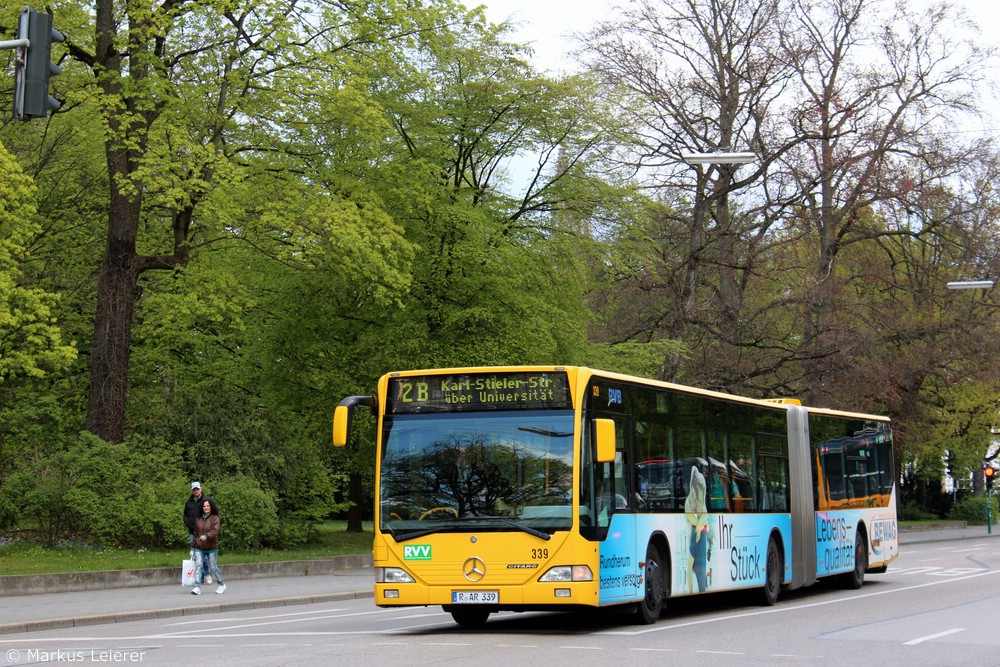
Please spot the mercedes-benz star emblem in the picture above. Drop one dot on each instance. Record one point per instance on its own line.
(474, 569)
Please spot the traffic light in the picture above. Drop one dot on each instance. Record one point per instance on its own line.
(989, 472)
(34, 67)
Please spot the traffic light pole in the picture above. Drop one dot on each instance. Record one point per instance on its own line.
(989, 472)
(989, 511)
(32, 65)
(22, 45)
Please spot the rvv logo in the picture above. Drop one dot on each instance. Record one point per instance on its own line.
(416, 552)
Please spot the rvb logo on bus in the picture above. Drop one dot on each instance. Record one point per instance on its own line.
(416, 552)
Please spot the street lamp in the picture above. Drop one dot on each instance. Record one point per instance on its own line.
(720, 157)
(971, 284)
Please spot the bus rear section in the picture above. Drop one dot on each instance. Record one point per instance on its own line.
(854, 495)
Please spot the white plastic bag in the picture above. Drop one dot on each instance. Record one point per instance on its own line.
(187, 573)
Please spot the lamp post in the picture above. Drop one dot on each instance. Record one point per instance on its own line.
(720, 195)
(988, 470)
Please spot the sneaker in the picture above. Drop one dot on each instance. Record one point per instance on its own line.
(208, 579)
(195, 591)
(221, 589)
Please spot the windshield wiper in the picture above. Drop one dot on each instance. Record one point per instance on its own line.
(541, 431)
(507, 522)
(418, 533)
(469, 518)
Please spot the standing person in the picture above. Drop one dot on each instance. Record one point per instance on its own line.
(191, 509)
(206, 545)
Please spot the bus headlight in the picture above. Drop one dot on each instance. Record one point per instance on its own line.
(563, 573)
(392, 575)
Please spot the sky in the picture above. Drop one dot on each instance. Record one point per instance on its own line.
(548, 23)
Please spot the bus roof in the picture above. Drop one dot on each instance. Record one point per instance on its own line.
(577, 371)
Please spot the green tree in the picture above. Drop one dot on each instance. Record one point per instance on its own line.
(113, 493)
(483, 276)
(182, 93)
(500, 268)
(962, 430)
(30, 338)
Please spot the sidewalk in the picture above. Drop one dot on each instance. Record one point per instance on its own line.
(48, 611)
(272, 587)
(914, 535)
(52, 610)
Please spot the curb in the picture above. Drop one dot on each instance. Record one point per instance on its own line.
(129, 616)
(68, 582)
(930, 527)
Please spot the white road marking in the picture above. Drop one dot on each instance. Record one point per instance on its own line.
(796, 608)
(254, 618)
(660, 650)
(722, 652)
(920, 640)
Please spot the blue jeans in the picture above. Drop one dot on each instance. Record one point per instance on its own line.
(209, 560)
(191, 543)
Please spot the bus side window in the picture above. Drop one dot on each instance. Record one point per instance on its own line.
(717, 493)
(764, 495)
(611, 487)
(773, 483)
(740, 489)
(741, 456)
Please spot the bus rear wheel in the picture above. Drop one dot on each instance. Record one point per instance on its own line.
(648, 609)
(470, 616)
(772, 575)
(856, 577)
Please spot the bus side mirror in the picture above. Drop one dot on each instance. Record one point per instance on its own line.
(342, 417)
(604, 434)
(341, 422)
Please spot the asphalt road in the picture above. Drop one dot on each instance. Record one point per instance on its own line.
(937, 605)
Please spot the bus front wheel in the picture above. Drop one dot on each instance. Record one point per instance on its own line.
(648, 609)
(470, 616)
(772, 575)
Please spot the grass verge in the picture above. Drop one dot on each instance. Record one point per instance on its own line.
(331, 539)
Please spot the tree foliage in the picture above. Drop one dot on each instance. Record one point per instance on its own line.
(248, 211)
(31, 340)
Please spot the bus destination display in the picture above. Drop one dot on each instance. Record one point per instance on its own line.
(529, 390)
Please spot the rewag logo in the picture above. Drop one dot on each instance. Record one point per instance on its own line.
(416, 552)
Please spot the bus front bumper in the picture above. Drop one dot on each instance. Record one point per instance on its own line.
(535, 595)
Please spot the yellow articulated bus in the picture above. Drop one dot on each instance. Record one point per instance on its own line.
(528, 488)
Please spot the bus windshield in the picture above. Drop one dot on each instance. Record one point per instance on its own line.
(482, 471)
